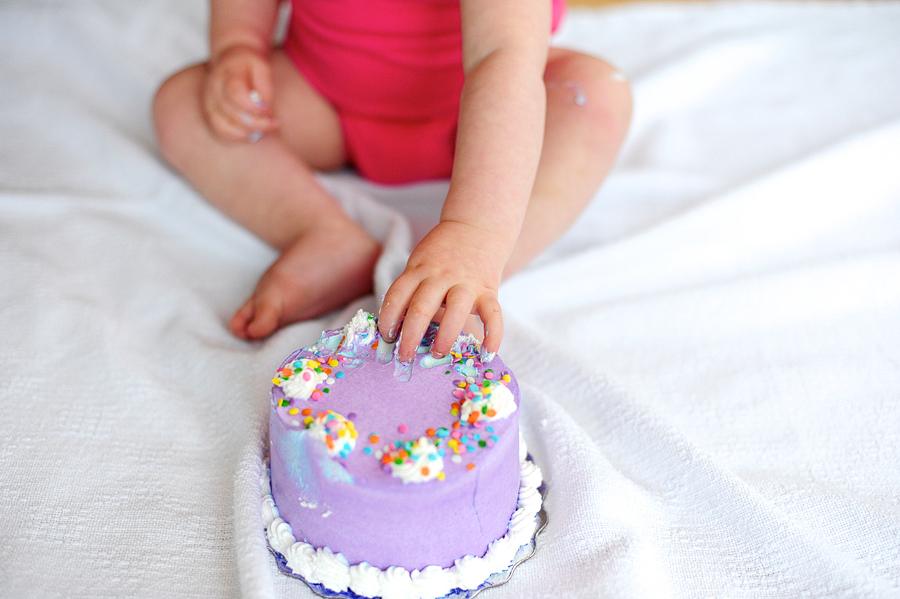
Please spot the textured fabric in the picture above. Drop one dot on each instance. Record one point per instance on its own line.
(709, 358)
(393, 71)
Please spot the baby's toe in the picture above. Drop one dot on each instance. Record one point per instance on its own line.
(241, 318)
(266, 318)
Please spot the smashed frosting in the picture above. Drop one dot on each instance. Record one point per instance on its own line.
(478, 397)
(361, 329)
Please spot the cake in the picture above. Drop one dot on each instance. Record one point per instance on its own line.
(396, 480)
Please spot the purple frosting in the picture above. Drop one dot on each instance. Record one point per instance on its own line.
(354, 506)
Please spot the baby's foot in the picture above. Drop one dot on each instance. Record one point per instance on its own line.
(322, 271)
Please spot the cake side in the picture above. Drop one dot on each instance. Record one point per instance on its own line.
(465, 579)
(385, 524)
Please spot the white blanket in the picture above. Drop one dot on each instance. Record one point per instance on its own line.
(710, 358)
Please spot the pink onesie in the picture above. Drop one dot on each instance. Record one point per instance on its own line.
(393, 71)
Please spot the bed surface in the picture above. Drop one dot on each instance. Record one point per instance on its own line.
(710, 358)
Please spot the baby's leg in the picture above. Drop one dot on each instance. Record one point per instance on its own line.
(269, 187)
(588, 111)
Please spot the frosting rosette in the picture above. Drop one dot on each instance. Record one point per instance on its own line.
(302, 379)
(416, 462)
(484, 401)
(336, 432)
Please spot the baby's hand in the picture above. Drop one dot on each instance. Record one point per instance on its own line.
(456, 265)
(237, 97)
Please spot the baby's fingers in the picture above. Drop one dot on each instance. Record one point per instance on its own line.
(226, 127)
(245, 104)
(230, 109)
(488, 308)
(243, 125)
(422, 308)
(223, 118)
(458, 307)
(390, 317)
(413, 303)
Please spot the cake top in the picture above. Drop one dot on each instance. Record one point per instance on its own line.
(382, 420)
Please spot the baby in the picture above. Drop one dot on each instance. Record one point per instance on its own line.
(403, 91)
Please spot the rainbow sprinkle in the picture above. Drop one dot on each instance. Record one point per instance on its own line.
(337, 432)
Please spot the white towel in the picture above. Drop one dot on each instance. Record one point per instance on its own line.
(708, 358)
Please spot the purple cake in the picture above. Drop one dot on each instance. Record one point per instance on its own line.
(394, 468)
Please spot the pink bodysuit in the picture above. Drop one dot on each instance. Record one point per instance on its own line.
(393, 71)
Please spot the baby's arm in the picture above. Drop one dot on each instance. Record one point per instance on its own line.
(460, 262)
(238, 93)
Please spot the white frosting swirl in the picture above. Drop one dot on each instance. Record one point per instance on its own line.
(423, 463)
(332, 570)
(433, 582)
(498, 400)
(302, 558)
(269, 509)
(471, 571)
(364, 580)
(500, 550)
(396, 584)
(302, 383)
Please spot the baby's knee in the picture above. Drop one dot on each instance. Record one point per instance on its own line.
(175, 105)
(590, 89)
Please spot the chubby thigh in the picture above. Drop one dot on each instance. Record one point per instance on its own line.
(309, 124)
